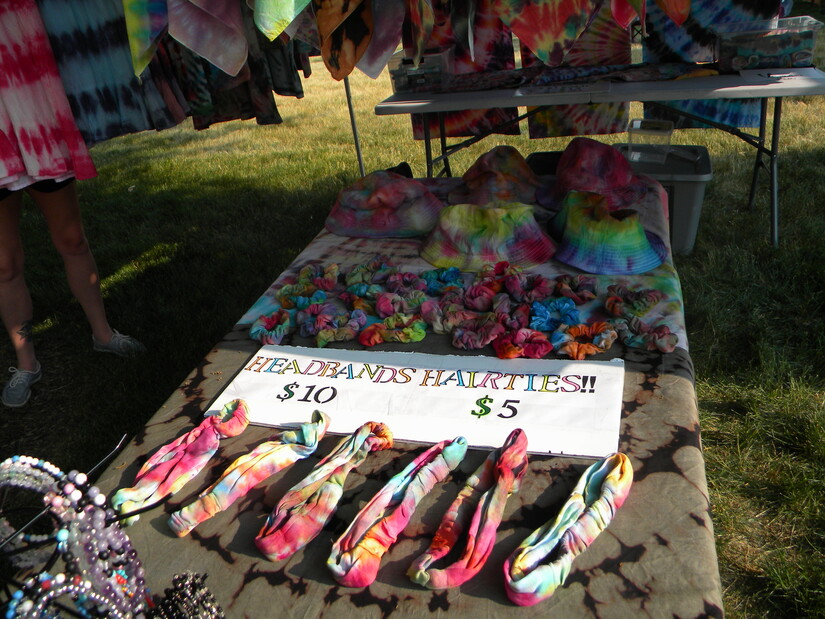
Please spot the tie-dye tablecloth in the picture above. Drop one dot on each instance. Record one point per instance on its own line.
(657, 557)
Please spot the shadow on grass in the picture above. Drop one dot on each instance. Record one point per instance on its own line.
(213, 248)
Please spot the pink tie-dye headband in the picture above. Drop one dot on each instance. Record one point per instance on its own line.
(307, 507)
(267, 459)
(356, 555)
(476, 514)
(168, 470)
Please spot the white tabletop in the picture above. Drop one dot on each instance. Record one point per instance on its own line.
(758, 83)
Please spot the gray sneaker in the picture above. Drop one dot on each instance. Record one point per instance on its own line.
(18, 390)
(121, 345)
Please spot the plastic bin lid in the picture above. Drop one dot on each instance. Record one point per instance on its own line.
(683, 163)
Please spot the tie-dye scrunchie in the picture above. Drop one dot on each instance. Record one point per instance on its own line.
(307, 507)
(476, 333)
(168, 470)
(542, 561)
(396, 328)
(267, 459)
(550, 314)
(356, 555)
(586, 339)
(476, 514)
(273, 328)
(522, 343)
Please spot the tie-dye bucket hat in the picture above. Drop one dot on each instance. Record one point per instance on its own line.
(469, 236)
(589, 165)
(499, 174)
(384, 204)
(597, 239)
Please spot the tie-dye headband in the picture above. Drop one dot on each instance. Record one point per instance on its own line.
(542, 561)
(356, 555)
(308, 505)
(267, 459)
(174, 464)
(476, 514)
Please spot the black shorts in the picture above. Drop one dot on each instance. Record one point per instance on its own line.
(46, 186)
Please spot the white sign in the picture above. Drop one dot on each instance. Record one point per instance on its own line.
(565, 407)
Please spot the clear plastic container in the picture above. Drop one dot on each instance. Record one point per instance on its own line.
(649, 140)
(769, 43)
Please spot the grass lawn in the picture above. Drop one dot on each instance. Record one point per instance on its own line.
(189, 227)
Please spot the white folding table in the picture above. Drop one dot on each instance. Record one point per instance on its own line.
(763, 84)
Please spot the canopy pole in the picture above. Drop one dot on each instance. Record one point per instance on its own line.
(354, 128)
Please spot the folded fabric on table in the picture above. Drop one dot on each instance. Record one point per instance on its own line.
(356, 555)
(476, 514)
(384, 204)
(308, 505)
(469, 237)
(541, 563)
(174, 464)
(267, 459)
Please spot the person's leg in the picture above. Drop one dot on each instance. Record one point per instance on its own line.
(15, 300)
(61, 210)
(16, 303)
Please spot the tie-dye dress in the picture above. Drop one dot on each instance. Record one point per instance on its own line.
(91, 47)
(38, 135)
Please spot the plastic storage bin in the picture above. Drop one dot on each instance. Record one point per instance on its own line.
(780, 43)
(684, 175)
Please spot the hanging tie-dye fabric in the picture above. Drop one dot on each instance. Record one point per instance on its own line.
(146, 22)
(91, 47)
(343, 47)
(273, 16)
(213, 29)
(693, 42)
(387, 18)
(492, 51)
(547, 27)
(603, 43)
(38, 135)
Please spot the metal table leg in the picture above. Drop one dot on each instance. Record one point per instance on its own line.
(777, 122)
(757, 164)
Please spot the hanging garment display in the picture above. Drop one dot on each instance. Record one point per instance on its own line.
(603, 42)
(39, 138)
(273, 16)
(146, 22)
(280, 59)
(547, 27)
(91, 47)
(173, 465)
(694, 42)
(345, 29)
(214, 96)
(492, 51)
(212, 29)
(356, 555)
(307, 507)
(387, 18)
(264, 461)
